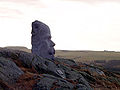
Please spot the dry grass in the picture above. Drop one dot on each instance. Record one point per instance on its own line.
(88, 55)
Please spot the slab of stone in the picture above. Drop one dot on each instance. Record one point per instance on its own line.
(67, 76)
(9, 71)
(42, 45)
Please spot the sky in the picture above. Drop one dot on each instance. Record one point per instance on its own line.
(74, 24)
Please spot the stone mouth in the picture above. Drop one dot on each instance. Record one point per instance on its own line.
(50, 53)
(51, 56)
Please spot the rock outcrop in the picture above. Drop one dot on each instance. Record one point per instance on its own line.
(42, 45)
(20, 70)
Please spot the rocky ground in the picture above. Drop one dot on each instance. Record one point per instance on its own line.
(21, 70)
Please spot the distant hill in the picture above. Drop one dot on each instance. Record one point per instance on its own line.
(24, 71)
(19, 48)
(108, 59)
(81, 55)
(88, 55)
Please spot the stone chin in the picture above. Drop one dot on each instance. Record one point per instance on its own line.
(51, 57)
(51, 53)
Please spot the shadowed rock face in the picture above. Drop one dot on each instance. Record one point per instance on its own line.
(24, 71)
(42, 45)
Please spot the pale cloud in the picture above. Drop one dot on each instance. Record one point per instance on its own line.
(19, 8)
(35, 3)
(93, 1)
(87, 26)
(10, 13)
(6, 10)
(21, 1)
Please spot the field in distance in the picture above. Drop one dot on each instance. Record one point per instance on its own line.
(79, 55)
(108, 59)
(88, 55)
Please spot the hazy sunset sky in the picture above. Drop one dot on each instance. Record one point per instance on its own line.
(74, 24)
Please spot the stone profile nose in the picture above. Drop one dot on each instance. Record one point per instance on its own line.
(53, 44)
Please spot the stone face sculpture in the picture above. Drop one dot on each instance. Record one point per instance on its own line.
(42, 45)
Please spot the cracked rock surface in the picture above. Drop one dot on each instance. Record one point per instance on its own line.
(20, 70)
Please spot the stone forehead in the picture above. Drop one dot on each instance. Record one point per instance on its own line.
(41, 26)
(37, 22)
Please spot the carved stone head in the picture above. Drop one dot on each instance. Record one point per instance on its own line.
(42, 45)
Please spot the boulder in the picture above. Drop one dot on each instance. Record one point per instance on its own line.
(20, 70)
(30, 60)
(55, 74)
(9, 71)
(51, 82)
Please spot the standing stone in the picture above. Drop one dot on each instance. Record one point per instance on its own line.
(42, 45)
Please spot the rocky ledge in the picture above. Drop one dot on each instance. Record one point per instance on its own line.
(20, 70)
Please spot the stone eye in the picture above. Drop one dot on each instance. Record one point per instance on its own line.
(49, 37)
